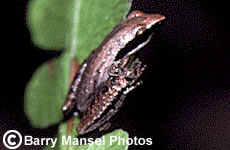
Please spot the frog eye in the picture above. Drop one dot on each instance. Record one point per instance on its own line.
(135, 14)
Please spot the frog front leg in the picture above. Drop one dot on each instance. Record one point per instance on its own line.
(137, 70)
(129, 77)
(126, 68)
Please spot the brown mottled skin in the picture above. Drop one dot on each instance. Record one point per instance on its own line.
(94, 71)
(118, 86)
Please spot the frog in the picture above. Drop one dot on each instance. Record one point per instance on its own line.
(107, 66)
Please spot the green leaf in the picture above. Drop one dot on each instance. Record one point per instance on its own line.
(46, 92)
(62, 131)
(78, 26)
(48, 22)
(75, 25)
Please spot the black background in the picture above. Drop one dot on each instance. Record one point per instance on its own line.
(184, 102)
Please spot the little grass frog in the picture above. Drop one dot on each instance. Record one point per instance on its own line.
(110, 72)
